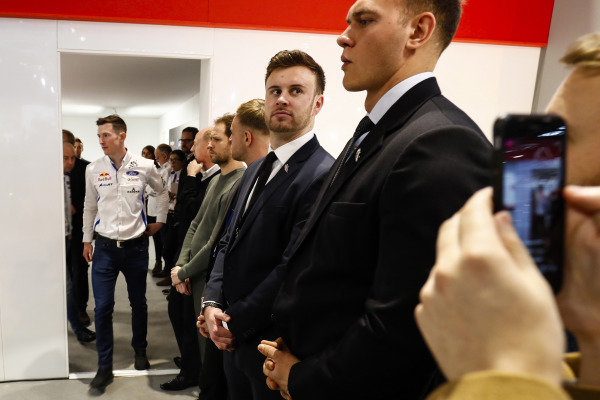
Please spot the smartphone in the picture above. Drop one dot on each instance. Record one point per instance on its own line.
(528, 178)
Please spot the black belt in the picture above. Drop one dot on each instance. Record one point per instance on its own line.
(122, 243)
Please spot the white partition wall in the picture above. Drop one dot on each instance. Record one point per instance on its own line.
(32, 273)
(485, 80)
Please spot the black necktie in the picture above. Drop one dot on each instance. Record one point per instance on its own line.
(262, 177)
(365, 125)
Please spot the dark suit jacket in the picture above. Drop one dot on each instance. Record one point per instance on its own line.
(252, 256)
(77, 177)
(352, 283)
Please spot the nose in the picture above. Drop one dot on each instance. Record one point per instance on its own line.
(210, 145)
(281, 100)
(344, 39)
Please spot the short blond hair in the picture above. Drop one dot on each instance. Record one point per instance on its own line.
(584, 53)
(251, 114)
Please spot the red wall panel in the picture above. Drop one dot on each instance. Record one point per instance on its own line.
(515, 22)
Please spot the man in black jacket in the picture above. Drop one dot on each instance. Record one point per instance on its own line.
(76, 263)
(274, 199)
(352, 283)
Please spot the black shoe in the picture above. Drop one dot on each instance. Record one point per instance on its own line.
(84, 318)
(161, 274)
(85, 336)
(141, 361)
(164, 282)
(178, 383)
(157, 268)
(177, 361)
(103, 378)
(166, 291)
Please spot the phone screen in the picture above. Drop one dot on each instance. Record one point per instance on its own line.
(532, 182)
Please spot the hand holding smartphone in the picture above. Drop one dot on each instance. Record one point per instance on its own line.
(528, 178)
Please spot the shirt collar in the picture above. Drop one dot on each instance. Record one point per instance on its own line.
(125, 160)
(209, 172)
(394, 94)
(286, 151)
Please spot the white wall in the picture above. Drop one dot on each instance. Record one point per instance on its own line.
(186, 114)
(32, 272)
(570, 20)
(140, 133)
(485, 80)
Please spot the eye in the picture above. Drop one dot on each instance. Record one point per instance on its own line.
(364, 21)
(276, 92)
(296, 91)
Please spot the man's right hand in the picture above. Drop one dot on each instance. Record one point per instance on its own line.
(221, 336)
(88, 251)
(194, 168)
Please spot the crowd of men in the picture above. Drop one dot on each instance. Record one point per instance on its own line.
(300, 276)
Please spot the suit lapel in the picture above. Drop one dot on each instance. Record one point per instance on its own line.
(294, 164)
(393, 119)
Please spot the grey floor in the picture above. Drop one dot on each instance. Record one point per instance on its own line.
(82, 358)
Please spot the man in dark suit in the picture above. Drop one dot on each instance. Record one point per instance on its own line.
(77, 264)
(274, 199)
(353, 278)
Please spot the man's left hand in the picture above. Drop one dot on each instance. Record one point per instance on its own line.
(278, 364)
(151, 229)
(174, 278)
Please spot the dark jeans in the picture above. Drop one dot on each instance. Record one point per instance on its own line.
(157, 238)
(72, 311)
(79, 274)
(183, 320)
(107, 262)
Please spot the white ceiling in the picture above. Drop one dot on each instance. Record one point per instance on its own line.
(133, 86)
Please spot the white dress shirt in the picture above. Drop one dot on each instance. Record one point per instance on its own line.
(173, 185)
(391, 97)
(283, 154)
(114, 199)
(210, 172)
(164, 171)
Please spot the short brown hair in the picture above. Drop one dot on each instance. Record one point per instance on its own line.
(447, 16)
(584, 53)
(68, 135)
(117, 122)
(190, 129)
(226, 119)
(252, 115)
(297, 58)
(77, 140)
(164, 148)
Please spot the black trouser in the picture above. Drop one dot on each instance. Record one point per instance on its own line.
(213, 385)
(157, 238)
(171, 244)
(244, 386)
(79, 273)
(183, 320)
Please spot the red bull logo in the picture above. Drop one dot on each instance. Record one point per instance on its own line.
(104, 176)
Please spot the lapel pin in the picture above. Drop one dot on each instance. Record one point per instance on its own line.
(357, 155)
(286, 168)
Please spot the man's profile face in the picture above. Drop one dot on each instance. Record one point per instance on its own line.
(577, 102)
(187, 140)
(78, 149)
(200, 147)
(238, 140)
(110, 141)
(68, 157)
(290, 100)
(373, 43)
(219, 146)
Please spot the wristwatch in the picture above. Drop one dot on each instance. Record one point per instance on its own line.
(210, 303)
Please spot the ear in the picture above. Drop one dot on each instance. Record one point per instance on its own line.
(123, 135)
(248, 138)
(422, 29)
(318, 104)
